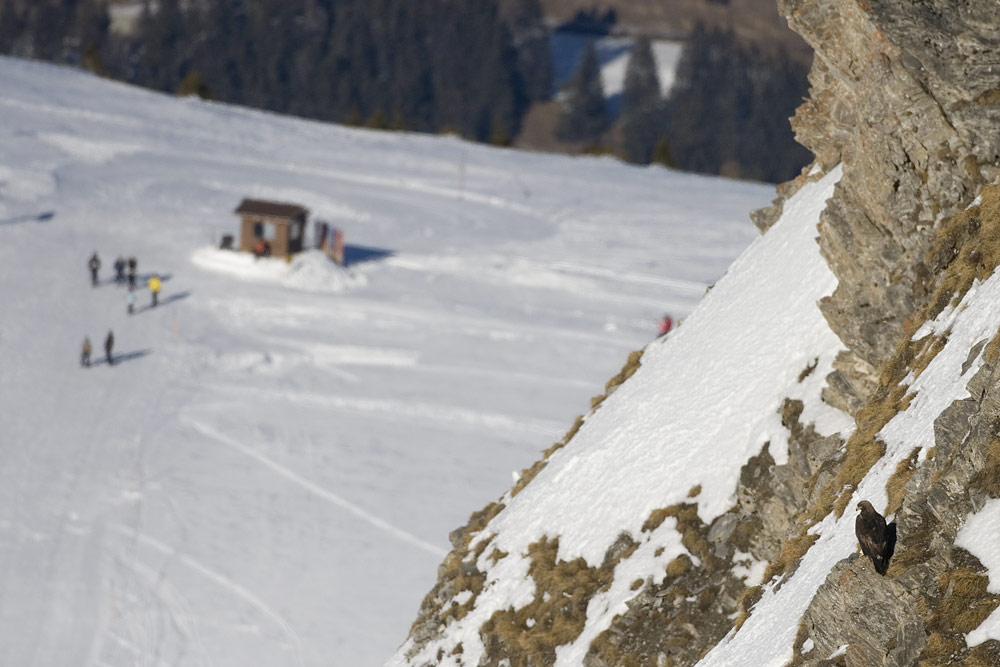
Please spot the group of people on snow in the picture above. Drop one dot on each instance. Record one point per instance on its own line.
(120, 265)
(109, 344)
(126, 270)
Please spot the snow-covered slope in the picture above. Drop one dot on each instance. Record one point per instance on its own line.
(268, 474)
(683, 429)
(704, 401)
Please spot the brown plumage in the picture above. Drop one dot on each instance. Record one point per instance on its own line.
(873, 536)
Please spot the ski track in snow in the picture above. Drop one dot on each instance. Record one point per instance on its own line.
(317, 490)
(414, 411)
(245, 594)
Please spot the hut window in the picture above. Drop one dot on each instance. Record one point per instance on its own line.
(296, 231)
(263, 230)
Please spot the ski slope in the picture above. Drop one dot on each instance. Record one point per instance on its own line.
(268, 474)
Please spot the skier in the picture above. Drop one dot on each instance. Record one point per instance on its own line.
(666, 324)
(85, 353)
(109, 343)
(120, 270)
(154, 287)
(130, 301)
(94, 265)
(133, 265)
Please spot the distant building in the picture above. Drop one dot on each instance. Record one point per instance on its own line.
(278, 227)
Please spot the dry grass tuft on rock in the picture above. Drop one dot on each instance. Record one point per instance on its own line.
(965, 248)
(456, 574)
(529, 474)
(895, 487)
(557, 614)
(748, 599)
(791, 551)
(627, 371)
(958, 603)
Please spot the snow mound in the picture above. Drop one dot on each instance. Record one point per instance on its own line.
(310, 270)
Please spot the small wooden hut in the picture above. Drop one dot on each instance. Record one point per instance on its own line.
(280, 226)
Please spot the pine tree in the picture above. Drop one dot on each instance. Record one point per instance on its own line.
(584, 114)
(525, 21)
(641, 104)
(160, 56)
(728, 109)
(50, 23)
(12, 27)
(90, 27)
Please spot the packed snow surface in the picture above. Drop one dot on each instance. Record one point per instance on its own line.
(269, 472)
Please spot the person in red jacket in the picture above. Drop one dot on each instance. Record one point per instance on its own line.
(666, 324)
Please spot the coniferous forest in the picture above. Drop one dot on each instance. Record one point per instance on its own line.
(473, 68)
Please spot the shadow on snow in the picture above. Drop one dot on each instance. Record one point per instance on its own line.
(34, 217)
(163, 301)
(119, 358)
(357, 254)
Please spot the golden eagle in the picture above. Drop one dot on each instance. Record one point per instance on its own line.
(873, 536)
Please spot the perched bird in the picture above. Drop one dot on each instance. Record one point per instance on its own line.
(872, 536)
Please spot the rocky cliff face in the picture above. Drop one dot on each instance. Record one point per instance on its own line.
(907, 98)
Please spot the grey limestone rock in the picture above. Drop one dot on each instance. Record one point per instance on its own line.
(907, 97)
(874, 616)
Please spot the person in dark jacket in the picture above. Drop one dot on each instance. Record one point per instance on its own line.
(133, 266)
(109, 344)
(85, 353)
(94, 264)
(120, 270)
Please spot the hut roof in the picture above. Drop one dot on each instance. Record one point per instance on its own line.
(271, 209)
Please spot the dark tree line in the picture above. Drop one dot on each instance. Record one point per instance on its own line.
(727, 111)
(431, 65)
(63, 31)
(434, 65)
(729, 107)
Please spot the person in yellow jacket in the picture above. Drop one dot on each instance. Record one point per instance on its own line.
(154, 287)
